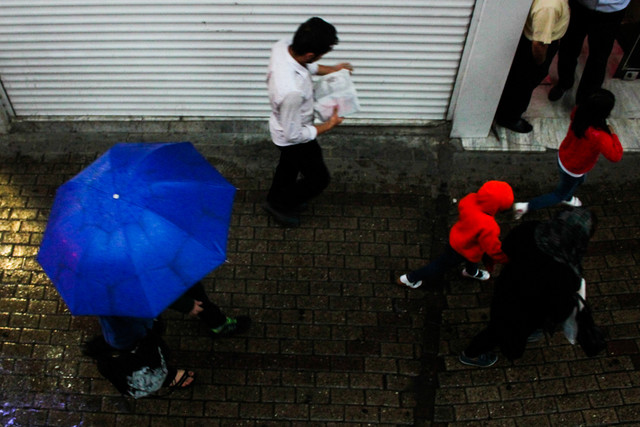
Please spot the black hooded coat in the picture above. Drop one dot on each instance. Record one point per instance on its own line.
(535, 288)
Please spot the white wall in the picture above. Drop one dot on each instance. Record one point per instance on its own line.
(493, 37)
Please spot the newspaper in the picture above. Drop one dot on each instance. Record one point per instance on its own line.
(335, 89)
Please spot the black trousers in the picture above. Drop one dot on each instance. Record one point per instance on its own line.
(300, 175)
(524, 76)
(210, 315)
(601, 29)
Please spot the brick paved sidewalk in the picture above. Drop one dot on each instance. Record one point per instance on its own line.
(333, 341)
(555, 383)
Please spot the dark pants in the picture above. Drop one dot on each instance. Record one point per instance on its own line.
(524, 76)
(564, 191)
(210, 315)
(601, 29)
(288, 190)
(123, 333)
(436, 268)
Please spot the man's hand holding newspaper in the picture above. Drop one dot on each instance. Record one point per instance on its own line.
(335, 90)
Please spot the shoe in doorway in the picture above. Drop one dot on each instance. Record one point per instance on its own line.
(520, 125)
(556, 93)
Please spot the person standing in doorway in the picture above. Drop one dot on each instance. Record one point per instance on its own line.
(598, 20)
(546, 24)
(301, 173)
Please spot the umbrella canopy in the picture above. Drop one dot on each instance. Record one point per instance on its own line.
(131, 233)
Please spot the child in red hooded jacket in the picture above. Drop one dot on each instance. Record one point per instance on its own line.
(474, 234)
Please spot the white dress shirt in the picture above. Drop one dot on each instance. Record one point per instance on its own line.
(291, 97)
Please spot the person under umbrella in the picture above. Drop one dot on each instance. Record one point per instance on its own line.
(134, 231)
(129, 235)
(133, 357)
(196, 303)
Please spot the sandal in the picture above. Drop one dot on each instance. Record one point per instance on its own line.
(178, 384)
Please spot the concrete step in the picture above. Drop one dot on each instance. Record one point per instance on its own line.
(547, 134)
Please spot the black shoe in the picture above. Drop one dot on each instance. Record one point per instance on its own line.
(483, 361)
(302, 207)
(520, 125)
(232, 326)
(556, 93)
(288, 219)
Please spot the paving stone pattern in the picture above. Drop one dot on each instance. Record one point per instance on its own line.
(333, 340)
(555, 384)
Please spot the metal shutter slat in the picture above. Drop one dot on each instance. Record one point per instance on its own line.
(209, 57)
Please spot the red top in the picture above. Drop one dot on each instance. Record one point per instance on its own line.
(579, 155)
(477, 231)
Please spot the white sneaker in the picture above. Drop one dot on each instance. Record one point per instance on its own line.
(481, 275)
(519, 209)
(483, 361)
(573, 201)
(403, 280)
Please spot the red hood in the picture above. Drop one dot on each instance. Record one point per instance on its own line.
(492, 197)
(477, 231)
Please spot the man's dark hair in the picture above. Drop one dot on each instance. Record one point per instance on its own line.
(314, 36)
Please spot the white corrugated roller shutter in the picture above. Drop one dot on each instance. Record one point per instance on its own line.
(208, 58)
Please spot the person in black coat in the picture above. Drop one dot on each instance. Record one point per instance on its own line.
(535, 288)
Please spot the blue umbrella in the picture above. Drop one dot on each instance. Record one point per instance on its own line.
(131, 233)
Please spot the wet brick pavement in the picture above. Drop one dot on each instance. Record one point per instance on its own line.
(333, 340)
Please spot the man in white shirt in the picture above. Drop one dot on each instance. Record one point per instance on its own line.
(599, 20)
(301, 173)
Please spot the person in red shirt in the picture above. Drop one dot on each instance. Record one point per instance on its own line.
(475, 234)
(589, 136)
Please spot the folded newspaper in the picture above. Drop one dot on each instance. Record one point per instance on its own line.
(335, 89)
